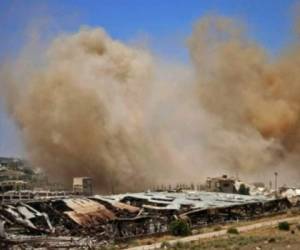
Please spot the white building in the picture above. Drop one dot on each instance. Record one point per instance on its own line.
(83, 185)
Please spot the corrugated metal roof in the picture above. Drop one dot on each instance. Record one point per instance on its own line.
(86, 211)
(119, 205)
(28, 216)
(196, 199)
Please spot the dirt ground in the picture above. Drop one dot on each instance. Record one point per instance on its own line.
(266, 238)
(257, 239)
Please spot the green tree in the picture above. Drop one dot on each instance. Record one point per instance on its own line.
(232, 230)
(243, 189)
(284, 225)
(180, 228)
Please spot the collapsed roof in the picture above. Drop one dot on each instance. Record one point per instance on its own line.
(191, 199)
(129, 215)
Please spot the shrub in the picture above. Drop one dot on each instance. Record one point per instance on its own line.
(165, 245)
(285, 226)
(243, 190)
(232, 230)
(180, 228)
(149, 242)
(217, 228)
(179, 245)
(272, 240)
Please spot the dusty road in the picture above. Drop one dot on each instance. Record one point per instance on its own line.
(218, 233)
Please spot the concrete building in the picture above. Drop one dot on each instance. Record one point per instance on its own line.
(83, 185)
(222, 184)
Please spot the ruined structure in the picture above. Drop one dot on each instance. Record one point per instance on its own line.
(9, 185)
(99, 219)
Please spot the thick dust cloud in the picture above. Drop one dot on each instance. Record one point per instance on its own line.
(89, 105)
(253, 96)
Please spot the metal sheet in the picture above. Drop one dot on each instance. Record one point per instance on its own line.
(85, 211)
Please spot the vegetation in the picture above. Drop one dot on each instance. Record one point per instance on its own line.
(180, 228)
(232, 230)
(243, 190)
(217, 228)
(284, 226)
(238, 242)
(165, 245)
(261, 238)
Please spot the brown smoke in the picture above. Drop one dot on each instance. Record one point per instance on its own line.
(90, 105)
(82, 113)
(250, 93)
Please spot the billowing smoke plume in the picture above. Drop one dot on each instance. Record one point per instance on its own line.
(90, 105)
(255, 98)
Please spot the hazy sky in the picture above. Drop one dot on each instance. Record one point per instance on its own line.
(163, 24)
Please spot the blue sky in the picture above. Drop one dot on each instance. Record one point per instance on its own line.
(165, 24)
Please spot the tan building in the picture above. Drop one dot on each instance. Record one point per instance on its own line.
(222, 184)
(83, 185)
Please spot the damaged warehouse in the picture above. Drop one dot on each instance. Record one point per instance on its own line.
(98, 219)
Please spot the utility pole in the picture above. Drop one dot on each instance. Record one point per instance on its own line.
(276, 174)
